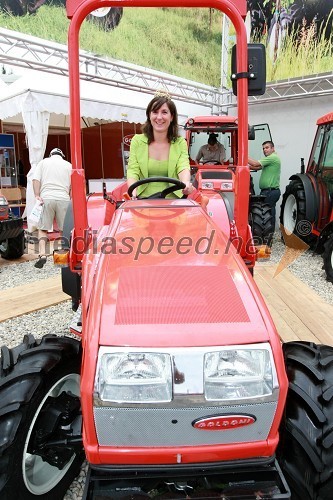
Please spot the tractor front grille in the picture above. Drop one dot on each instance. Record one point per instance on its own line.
(152, 426)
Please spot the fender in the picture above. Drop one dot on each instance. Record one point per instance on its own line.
(71, 282)
(229, 201)
(310, 196)
(220, 208)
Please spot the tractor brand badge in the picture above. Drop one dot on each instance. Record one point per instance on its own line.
(223, 422)
(127, 139)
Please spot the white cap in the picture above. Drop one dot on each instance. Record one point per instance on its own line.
(57, 151)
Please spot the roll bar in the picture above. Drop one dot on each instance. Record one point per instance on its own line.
(77, 10)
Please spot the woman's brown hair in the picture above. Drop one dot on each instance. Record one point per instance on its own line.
(155, 105)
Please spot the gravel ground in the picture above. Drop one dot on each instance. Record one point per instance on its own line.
(24, 273)
(55, 319)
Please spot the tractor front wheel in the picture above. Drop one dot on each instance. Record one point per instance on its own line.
(40, 414)
(306, 436)
(261, 222)
(328, 258)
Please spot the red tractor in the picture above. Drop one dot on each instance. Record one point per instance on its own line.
(307, 204)
(217, 179)
(178, 384)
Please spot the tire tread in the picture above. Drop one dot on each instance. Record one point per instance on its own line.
(306, 445)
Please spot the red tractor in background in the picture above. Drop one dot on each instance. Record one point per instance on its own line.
(216, 181)
(177, 385)
(307, 204)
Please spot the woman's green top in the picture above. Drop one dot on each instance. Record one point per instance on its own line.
(157, 168)
(139, 159)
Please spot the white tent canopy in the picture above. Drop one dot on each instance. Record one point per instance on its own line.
(42, 92)
(3, 85)
(36, 97)
(47, 92)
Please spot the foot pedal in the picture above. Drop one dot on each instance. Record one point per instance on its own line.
(76, 323)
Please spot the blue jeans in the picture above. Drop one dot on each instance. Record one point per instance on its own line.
(271, 198)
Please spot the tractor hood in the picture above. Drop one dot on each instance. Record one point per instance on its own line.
(165, 275)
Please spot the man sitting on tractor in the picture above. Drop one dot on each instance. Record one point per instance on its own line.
(212, 152)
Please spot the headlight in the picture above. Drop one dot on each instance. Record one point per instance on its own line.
(226, 186)
(237, 374)
(208, 185)
(135, 377)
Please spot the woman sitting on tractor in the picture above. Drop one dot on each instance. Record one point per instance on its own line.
(159, 151)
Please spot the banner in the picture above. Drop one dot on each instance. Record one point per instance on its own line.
(274, 21)
(297, 35)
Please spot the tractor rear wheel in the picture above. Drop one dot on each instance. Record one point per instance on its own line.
(293, 212)
(261, 222)
(328, 258)
(306, 444)
(13, 248)
(39, 413)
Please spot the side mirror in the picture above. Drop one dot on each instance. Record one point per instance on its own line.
(256, 69)
(252, 133)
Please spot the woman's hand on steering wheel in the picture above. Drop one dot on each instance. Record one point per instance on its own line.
(176, 185)
(189, 188)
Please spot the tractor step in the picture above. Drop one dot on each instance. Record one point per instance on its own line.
(247, 483)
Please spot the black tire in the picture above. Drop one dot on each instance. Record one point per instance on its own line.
(293, 212)
(261, 222)
(35, 377)
(328, 258)
(306, 436)
(14, 7)
(13, 248)
(110, 21)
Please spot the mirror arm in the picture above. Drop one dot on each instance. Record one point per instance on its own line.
(244, 74)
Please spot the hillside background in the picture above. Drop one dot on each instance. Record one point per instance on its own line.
(183, 42)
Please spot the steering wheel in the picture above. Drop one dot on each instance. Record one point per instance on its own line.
(162, 194)
(212, 162)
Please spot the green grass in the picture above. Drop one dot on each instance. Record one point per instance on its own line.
(302, 54)
(177, 41)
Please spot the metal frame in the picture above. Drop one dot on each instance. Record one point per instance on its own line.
(29, 52)
(22, 50)
(293, 88)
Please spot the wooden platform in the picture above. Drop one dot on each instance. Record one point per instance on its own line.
(31, 297)
(298, 312)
